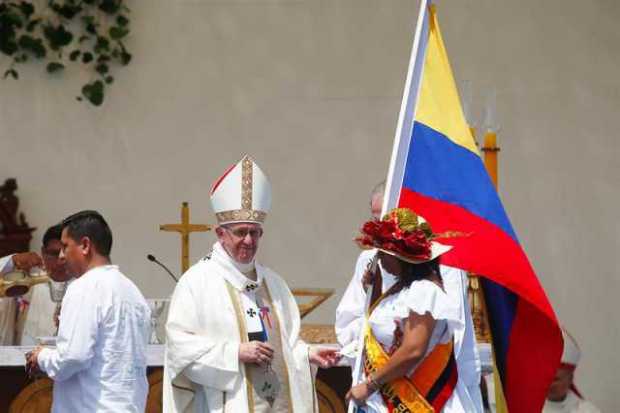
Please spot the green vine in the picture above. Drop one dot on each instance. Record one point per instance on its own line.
(88, 32)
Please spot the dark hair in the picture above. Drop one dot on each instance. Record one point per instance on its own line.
(92, 225)
(52, 233)
(416, 272)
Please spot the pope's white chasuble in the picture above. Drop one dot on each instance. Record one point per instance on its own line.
(213, 309)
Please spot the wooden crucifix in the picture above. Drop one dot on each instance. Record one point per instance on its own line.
(185, 228)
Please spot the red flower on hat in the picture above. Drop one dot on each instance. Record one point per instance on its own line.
(389, 235)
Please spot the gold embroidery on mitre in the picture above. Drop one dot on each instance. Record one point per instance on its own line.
(241, 215)
(246, 184)
(246, 213)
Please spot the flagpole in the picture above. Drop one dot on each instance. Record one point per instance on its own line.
(404, 127)
(392, 191)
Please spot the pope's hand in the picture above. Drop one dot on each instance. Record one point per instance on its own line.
(255, 352)
(26, 260)
(324, 357)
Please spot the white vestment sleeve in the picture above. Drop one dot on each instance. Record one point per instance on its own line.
(350, 310)
(6, 264)
(211, 369)
(75, 345)
(200, 356)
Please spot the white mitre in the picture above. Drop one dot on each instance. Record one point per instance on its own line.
(241, 194)
(571, 353)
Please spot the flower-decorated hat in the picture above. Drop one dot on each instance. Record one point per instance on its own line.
(403, 234)
(241, 194)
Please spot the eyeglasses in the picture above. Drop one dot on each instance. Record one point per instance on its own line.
(241, 233)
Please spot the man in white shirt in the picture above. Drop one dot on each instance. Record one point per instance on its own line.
(99, 363)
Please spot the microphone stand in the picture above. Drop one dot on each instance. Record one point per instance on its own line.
(152, 258)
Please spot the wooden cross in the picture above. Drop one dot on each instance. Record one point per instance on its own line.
(185, 228)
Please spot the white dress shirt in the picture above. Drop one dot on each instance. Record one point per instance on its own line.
(99, 363)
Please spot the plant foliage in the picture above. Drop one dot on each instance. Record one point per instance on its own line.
(87, 32)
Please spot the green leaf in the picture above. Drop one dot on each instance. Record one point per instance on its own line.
(11, 72)
(88, 20)
(26, 8)
(109, 79)
(32, 24)
(122, 21)
(102, 45)
(125, 57)
(54, 67)
(83, 38)
(74, 55)
(102, 68)
(32, 45)
(117, 33)
(67, 10)
(103, 58)
(11, 18)
(94, 92)
(87, 57)
(110, 6)
(91, 28)
(8, 46)
(21, 58)
(57, 36)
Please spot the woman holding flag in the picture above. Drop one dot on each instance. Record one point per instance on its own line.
(409, 360)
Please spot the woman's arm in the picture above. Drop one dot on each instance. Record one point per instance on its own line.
(417, 330)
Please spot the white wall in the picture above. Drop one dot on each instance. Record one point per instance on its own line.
(311, 89)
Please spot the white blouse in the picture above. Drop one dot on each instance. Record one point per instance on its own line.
(386, 322)
(421, 297)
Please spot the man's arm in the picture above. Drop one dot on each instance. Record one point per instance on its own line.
(350, 310)
(21, 261)
(76, 336)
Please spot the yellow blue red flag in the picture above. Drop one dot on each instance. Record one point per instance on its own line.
(436, 170)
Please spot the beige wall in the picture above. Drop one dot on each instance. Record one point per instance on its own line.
(311, 89)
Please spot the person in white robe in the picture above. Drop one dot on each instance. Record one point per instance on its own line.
(563, 396)
(38, 312)
(233, 325)
(44, 308)
(350, 313)
(406, 306)
(99, 362)
(14, 310)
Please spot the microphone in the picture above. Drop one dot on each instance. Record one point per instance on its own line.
(152, 258)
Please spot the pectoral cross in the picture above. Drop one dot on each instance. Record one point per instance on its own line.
(185, 228)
